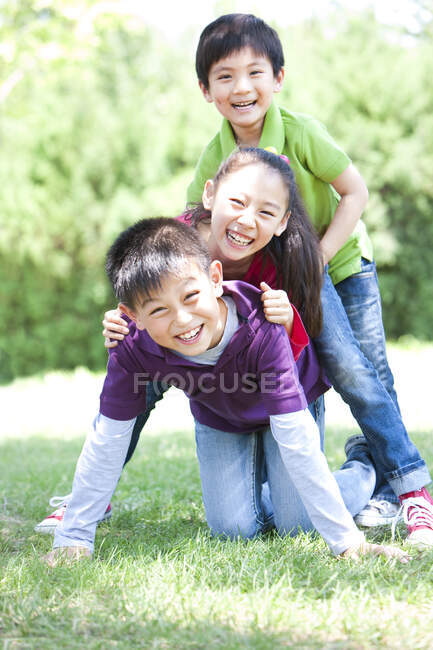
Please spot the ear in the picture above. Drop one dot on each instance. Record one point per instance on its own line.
(278, 81)
(216, 276)
(208, 194)
(283, 223)
(128, 311)
(206, 93)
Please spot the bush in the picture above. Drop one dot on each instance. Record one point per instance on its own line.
(103, 127)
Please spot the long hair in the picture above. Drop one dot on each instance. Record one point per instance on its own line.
(296, 252)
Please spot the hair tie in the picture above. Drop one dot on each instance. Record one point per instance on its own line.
(280, 155)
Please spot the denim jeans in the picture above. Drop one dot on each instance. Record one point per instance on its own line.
(351, 348)
(247, 490)
(155, 391)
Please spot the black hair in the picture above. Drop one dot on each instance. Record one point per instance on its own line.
(149, 250)
(296, 252)
(232, 32)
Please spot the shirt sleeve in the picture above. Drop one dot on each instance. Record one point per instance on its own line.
(299, 337)
(323, 156)
(281, 390)
(206, 168)
(124, 392)
(96, 475)
(298, 440)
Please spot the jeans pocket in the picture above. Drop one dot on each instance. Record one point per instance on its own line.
(368, 269)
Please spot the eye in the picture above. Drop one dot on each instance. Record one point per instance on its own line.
(256, 72)
(266, 213)
(222, 77)
(236, 201)
(192, 294)
(157, 311)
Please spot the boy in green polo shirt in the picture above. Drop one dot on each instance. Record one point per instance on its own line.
(239, 63)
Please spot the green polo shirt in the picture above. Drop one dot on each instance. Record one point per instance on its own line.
(316, 161)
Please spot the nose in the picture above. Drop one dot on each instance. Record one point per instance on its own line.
(183, 317)
(246, 219)
(242, 84)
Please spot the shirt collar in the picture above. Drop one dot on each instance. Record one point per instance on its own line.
(272, 134)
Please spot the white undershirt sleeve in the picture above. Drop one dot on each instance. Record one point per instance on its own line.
(97, 473)
(298, 440)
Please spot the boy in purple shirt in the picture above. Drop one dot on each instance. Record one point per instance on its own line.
(240, 376)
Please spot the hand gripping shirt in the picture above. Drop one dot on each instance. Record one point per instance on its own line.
(316, 161)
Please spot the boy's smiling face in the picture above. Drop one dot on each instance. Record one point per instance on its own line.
(184, 314)
(242, 87)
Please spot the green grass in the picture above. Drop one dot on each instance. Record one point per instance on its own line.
(159, 580)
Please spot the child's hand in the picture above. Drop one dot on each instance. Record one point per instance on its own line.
(114, 328)
(390, 552)
(276, 306)
(67, 554)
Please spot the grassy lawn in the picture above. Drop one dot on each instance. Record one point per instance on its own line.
(159, 580)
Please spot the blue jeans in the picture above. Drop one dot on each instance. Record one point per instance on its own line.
(351, 348)
(155, 391)
(247, 490)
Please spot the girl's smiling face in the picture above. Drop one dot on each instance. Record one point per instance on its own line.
(249, 206)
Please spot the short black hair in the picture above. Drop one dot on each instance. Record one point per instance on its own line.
(232, 32)
(146, 252)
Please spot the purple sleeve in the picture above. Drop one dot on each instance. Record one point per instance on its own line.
(281, 390)
(123, 395)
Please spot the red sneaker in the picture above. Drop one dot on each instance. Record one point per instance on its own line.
(50, 523)
(418, 516)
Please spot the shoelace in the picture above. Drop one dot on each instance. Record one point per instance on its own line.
(56, 502)
(381, 505)
(421, 514)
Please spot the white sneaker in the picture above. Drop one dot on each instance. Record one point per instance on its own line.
(50, 523)
(378, 513)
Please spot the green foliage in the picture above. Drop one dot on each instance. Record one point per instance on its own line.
(102, 123)
(89, 136)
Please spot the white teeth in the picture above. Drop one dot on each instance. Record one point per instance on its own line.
(190, 334)
(242, 104)
(238, 238)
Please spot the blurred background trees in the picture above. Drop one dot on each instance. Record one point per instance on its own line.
(102, 123)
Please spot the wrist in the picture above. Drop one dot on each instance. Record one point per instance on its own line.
(326, 254)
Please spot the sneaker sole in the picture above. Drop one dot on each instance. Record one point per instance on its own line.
(421, 539)
(46, 530)
(374, 522)
(50, 529)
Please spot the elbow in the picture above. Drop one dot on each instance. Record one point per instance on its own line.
(364, 196)
(362, 193)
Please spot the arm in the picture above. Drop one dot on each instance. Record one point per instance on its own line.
(354, 196)
(96, 475)
(298, 441)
